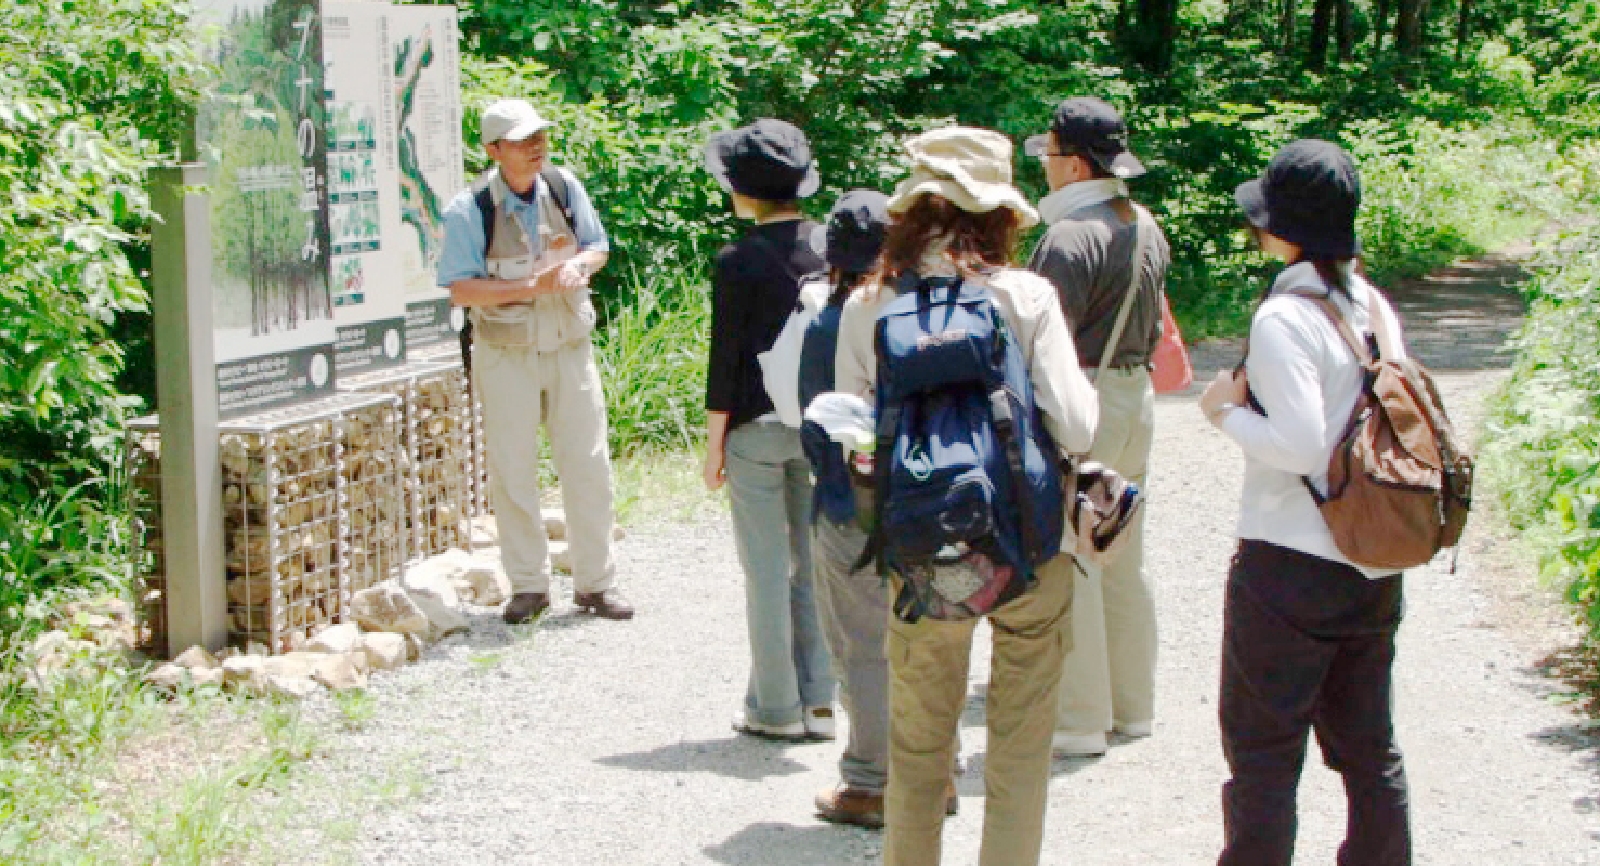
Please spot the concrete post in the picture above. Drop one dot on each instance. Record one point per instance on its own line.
(186, 393)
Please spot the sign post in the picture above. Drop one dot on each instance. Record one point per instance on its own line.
(186, 388)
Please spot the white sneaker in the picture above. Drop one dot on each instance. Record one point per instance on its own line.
(819, 723)
(1070, 745)
(793, 732)
(1135, 730)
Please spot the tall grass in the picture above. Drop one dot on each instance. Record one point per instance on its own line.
(1542, 454)
(652, 353)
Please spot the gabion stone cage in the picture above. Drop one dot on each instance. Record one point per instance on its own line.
(312, 512)
(433, 431)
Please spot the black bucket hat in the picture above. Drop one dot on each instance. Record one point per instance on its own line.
(1308, 196)
(855, 231)
(1091, 127)
(769, 160)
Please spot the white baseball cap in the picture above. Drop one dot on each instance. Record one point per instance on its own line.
(512, 119)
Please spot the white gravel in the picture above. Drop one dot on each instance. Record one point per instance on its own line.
(581, 741)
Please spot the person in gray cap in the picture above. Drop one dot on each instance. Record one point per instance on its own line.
(519, 248)
(766, 168)
(1108, 261)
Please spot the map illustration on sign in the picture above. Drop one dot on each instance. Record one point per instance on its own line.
(427, 85)
(260, 132)
(366, 233)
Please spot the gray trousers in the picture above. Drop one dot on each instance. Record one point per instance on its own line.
(769, 488)
(855, 617)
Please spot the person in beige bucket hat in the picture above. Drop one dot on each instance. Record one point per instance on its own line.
(959, 215)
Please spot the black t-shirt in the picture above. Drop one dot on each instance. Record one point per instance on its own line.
(755, 284)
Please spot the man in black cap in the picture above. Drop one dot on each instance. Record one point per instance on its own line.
(1108, 260)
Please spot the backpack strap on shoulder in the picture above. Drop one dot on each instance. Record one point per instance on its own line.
(1140, 236)
(1339, 322)
(556, 182)
(483, 197)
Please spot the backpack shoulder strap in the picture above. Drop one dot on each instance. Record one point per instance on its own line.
(483, 196)
(1137, 270)
(1340, 324)
(556, 182)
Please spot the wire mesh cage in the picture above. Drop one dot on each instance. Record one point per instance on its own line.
(432, 428)
(481, 504)
(312, 513)
(143, 466)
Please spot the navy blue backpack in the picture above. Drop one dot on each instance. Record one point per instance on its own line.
(969, 485)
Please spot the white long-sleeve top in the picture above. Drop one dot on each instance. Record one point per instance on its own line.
(1306, 378)
(1065, 398)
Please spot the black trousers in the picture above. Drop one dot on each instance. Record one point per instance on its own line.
(1308, 644)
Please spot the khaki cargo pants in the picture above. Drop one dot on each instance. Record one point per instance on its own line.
(522, 388)
(928, 664)
(1109, 677)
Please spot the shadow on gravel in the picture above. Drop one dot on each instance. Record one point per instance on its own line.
(735, 757)
(772, 844)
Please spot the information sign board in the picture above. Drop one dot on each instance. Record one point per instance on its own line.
(261, 133)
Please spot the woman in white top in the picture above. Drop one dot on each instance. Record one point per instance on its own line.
(958, 214)
(1308, 637)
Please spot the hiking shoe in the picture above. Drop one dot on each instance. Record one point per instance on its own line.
(819, 723)
(606, 605)
(525, 606)
(843, 804)
(1069, 745)
(793, 732)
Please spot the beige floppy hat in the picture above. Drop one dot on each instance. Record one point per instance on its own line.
(971, 167)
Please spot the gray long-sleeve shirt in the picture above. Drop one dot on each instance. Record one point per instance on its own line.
(1086, 256)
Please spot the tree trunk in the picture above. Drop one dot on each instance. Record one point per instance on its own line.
(1344, 25)
(1154, 34)
(1463, 28)
(1289, 14)
(1321, 27)
(1408, 27)
(1380, 26)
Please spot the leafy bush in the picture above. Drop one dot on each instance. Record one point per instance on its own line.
(92, 96)
(1542, 455)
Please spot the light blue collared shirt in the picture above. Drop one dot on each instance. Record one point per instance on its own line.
(463, 255)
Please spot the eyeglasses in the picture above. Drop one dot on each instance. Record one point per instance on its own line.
(1040, 147)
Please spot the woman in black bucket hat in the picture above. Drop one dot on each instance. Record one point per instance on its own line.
(1308, 636)
(766, 167)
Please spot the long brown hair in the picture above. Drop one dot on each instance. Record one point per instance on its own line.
(975, 242)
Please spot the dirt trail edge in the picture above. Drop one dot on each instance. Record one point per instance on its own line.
(588, 742)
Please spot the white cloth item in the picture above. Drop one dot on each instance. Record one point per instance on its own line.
(1306, 378)
(780, 365)
(846, 418)
(1076, 196)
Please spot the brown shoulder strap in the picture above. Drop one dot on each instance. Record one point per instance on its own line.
(1356, 344)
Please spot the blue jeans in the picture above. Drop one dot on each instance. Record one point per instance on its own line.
(769, 488)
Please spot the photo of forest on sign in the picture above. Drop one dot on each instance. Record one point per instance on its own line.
(260, 135)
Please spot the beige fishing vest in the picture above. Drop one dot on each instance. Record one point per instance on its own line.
(548, 322)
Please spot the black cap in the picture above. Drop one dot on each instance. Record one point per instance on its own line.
(1091, 127)
(855, 231)
(1308, 196)
(769, 159)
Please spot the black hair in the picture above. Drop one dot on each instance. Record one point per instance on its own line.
(844, 283)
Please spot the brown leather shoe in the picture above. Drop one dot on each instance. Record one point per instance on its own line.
(606, 605)
(843, 804)
(525, 606)
(952, 800)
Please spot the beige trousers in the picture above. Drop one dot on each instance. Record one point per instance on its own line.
(521, 389)
(1109, 676)
(927, 694)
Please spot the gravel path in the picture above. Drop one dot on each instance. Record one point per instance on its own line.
(587, 742)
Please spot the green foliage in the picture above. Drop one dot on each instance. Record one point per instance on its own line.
(652, 354)
(1543, 450)
(92, 95)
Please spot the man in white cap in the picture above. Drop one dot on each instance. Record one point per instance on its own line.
(520, 246)
(1108, 261)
